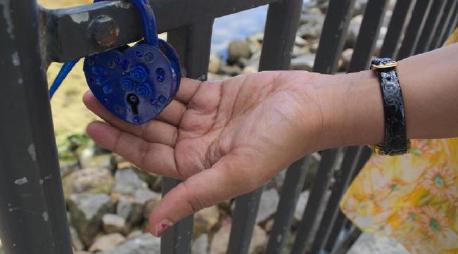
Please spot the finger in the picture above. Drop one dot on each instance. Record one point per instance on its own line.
(173, 113)
(160, 132)
(95, 106)
(188, 88)
(157, 158)
(199, 191)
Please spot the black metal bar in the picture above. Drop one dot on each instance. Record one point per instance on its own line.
(442, 27)
(365, 44)
(282, 21)
(243, 221)
(401, 15)
(32, 211)
(351, 238)
(292, 187)
(368, 35)
(192, 43)
(176, 240)
(330, 47)
(349, 165)
(430, 26)
(68, 30)
(415, 28)
(279, 35)
(336, 230)
(341, 220)
(316, 201)
(333, 35)
(451, 25)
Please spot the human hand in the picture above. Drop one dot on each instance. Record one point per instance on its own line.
(223, 139)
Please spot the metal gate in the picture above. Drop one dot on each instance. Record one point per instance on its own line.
(32, 211)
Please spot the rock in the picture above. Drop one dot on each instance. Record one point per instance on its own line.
(103, 161)
(221, 238)
(217, 77)
(279, 179)
(88, 180)
(268, 205)
(225, 207)
(353, 31)
(200, 245)
(214, 64)
(304, 62)
(148, 208)
(256, 37)
(346, 58)
(205, 220)
(311, 23)
(250, 69)
(106, 242)
(113, 223)
(300, 205)
(144, 244)
(311, 168)
(86, 211)
(299, 51)
(157, 184)
(359, 7)
(134, 234)
(313, 46)
(253, 62)
(258, 241)
(298, 41)
(127, 182)
(76, 242)
(238, 49)
(231, 70)
(254, 47)
(369, 243)
(268, 225)
(130, 211)
(143, 196)
(68, 166)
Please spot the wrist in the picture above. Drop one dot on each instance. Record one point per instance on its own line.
(351, 109)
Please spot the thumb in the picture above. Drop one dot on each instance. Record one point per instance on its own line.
(221, 182)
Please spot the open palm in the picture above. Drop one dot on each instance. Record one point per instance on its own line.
(222, 138)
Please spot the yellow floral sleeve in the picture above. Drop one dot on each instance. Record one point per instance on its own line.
(411, 198)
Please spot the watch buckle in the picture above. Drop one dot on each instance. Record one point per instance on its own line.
(383, 66)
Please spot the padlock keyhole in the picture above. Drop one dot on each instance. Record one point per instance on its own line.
(133, 101)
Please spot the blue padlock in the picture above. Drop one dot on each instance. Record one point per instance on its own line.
(136, 83)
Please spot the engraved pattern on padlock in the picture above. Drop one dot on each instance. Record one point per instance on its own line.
(136, 83)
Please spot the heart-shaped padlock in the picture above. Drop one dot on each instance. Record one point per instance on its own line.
(135, 83)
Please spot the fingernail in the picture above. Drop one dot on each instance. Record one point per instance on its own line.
(161, 227)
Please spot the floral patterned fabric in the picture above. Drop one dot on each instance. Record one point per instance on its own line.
(411, 198)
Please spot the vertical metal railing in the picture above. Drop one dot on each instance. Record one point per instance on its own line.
(442, 27)
(32, 211)
(282, 21)
(330, 47)
(192, 43)
(431, 26)
(416, 24)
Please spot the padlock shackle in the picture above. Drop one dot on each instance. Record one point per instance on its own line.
(148, 21)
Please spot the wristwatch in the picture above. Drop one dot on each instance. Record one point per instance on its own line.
(395, 140)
